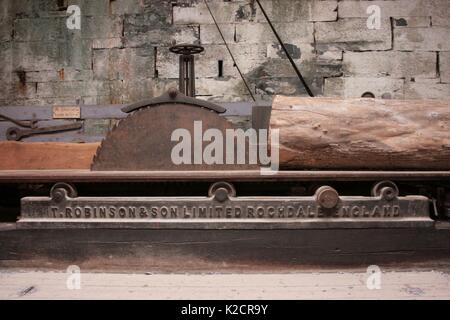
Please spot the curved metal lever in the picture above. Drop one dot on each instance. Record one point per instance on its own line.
(24, 124)
(16, 134)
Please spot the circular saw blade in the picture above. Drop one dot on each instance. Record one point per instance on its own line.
(143, 140)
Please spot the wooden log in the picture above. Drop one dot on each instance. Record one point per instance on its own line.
(45, 155)
(331, 133)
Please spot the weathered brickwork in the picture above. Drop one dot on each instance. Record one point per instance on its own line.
(121, 53)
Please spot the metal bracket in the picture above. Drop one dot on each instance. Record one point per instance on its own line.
(173, 96)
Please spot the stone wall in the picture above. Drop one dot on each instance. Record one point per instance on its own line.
(121, 54)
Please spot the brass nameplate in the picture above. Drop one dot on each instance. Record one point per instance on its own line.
(66, 112)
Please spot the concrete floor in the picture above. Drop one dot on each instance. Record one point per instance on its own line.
(26, 284)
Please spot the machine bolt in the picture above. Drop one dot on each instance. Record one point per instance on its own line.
(221, 194)
(173, 93)
(327, 197)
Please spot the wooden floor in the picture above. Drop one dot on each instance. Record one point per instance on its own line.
(22, 284)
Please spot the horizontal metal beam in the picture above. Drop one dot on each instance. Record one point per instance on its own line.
(108, 111)
(8, 176)
(236, 112)
(222, 209)
(225, 225)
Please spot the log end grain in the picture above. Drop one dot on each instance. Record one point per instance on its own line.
(45, 155)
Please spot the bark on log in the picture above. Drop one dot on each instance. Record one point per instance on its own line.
(332, 133)
(46, 155)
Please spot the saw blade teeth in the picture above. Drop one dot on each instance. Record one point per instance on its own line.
(111, 131)
(99, 149)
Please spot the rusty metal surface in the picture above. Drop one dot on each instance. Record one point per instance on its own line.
(222, 209)
(96, 120)
(143, 141)
(16, 134)
(32, 128)
(187, 66)
(187, 75)
(11, 176)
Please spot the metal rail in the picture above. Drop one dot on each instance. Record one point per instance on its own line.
(14, 176)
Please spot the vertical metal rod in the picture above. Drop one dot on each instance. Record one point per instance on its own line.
(286, 51)
(182, 75)
(187, 75)
(192, 75)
